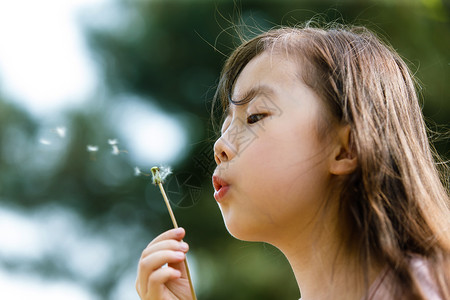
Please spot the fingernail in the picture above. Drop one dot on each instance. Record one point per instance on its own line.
(179, 255)
(184, 246)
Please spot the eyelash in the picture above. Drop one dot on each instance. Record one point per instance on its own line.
(252, 119)
(258, 117)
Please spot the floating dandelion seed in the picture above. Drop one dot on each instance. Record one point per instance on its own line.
(115, 150)
(61, 131)
(112, 141)
(137, 171)
(159, 175)
(91, 148)
(44, 142)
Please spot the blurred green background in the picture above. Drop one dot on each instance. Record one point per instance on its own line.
(74, 222)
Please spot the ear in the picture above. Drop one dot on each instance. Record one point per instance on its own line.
(344, 160)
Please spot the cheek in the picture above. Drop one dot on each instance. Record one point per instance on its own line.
(291, 167)
(265, 170)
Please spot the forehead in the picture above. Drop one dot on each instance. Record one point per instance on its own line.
(264, 75)
(266, 68)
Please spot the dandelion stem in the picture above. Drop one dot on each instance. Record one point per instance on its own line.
(166, 200)
(158, 181)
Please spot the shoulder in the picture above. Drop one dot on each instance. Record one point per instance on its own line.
(421, 271)
(422, 275)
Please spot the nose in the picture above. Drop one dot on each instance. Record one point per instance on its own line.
(222, 151)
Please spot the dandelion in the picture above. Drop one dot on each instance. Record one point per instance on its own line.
(91, 148)
(159, 175)
(61, 131)
(45, 142)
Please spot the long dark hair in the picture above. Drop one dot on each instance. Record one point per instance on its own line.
(396, 201)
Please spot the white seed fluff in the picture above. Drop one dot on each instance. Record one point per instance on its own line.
(91, 148)
(61, 131)
(137, 171)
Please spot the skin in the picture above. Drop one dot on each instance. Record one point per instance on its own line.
(279, 188)
(155, 282)
(279, 171)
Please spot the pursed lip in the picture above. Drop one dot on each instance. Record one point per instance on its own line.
(221, 187)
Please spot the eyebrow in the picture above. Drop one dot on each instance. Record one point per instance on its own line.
(249, 95)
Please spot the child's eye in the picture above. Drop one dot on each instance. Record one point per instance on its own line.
(255, 118)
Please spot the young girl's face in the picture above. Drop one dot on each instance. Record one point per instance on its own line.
(272, 174)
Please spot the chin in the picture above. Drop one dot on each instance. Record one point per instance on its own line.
(243, 225)
(244, 232)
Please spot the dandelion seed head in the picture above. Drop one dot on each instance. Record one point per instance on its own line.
(165, 171)
(156, 175)
(91, 148)
(160, 174)
(61, 131)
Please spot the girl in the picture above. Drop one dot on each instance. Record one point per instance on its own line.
(324, 154)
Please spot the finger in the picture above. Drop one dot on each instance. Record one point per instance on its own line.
(159, 278)
(156, 280)
(153, 262)
(165, 245)
(181, 266)
(172, 234)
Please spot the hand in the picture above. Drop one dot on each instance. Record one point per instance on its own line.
(155, 282)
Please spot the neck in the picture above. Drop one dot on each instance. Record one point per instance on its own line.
(324, 267)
